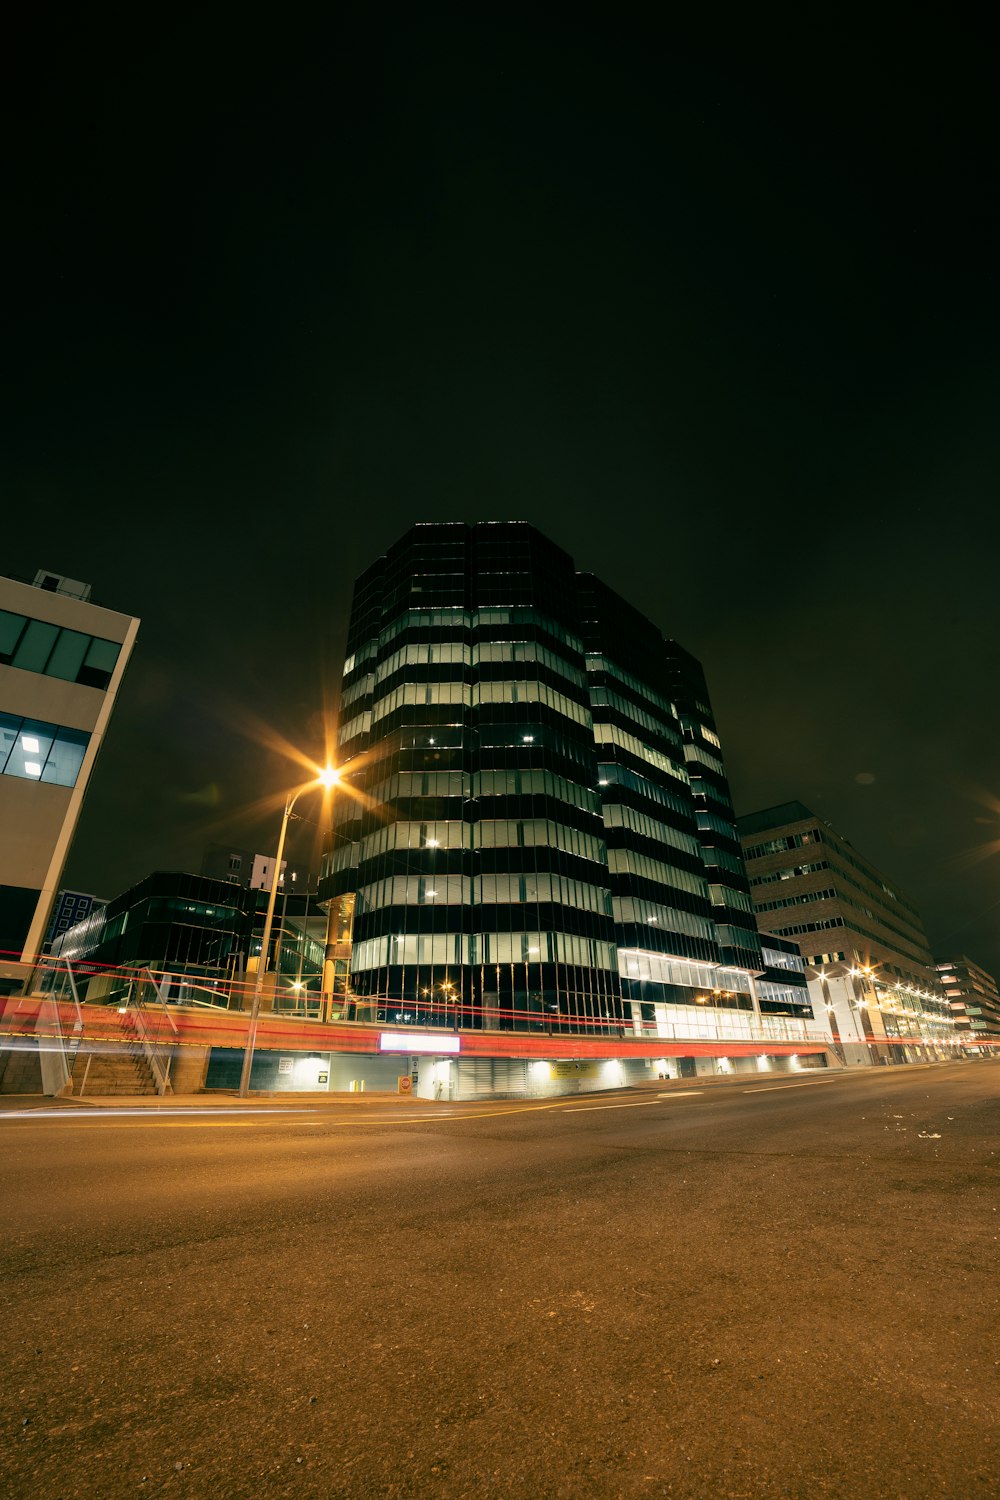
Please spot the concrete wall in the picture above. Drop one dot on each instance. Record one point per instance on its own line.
(300, 1072)
(20, 1068)
(438, 1078)
(188, 1069)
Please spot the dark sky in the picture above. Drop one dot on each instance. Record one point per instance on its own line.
(714, 304)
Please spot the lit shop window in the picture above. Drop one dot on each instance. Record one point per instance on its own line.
(36, 751)
(37, 646)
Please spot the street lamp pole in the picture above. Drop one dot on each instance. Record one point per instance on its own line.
(326, 779)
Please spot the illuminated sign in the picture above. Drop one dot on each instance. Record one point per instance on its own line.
(401, 1041)
(569, 1069)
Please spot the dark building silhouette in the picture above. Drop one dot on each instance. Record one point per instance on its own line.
(194, 928)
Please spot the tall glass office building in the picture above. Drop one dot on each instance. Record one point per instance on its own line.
(538, 832)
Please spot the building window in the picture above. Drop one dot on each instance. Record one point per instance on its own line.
(36, 751)
(781, 845)
(38, 646)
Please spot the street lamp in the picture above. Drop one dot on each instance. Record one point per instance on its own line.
(326, 779)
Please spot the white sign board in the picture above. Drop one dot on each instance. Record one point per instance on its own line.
(402, 1041)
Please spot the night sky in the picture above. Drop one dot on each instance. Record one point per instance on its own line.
(715, 305)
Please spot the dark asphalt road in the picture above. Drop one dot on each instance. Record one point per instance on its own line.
(775, 1288)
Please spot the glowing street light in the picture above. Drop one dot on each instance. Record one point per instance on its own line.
(326, 779)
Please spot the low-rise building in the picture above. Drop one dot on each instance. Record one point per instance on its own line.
(202, 939)
(868, 963)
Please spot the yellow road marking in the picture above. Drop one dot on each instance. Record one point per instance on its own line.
(587, 1108)
(164, 1120)
(769, 1088)
(259, 1117)
(485, 1114)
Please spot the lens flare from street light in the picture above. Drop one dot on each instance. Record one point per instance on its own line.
(990, 846)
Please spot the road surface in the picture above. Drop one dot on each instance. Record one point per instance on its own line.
(774, 1287)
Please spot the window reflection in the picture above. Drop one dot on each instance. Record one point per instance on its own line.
(37, 751)
(39, 646)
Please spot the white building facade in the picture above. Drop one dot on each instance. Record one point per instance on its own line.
(62, 660)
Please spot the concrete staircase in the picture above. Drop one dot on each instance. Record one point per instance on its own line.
(120, 1072)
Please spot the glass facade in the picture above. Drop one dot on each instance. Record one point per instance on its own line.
(197, 925)
(167, 920)
(783, 990)
(39, 646)
(520, 831)
(732, 907)
(37, 751)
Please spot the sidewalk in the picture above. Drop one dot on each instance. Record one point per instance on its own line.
(29, 1103)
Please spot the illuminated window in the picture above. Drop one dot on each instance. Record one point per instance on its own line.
(36, 751)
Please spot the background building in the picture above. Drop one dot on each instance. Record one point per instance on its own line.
(62, 660)
(867, 956)
(539, 829)
(206, 934)
(972, 995)
(70, 907)
(242, 867)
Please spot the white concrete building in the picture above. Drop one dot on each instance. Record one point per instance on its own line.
(62, 660)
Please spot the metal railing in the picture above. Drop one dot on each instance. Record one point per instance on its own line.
(147, 998)
(58, 1039)
(450, 1011)
(148, 1018)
